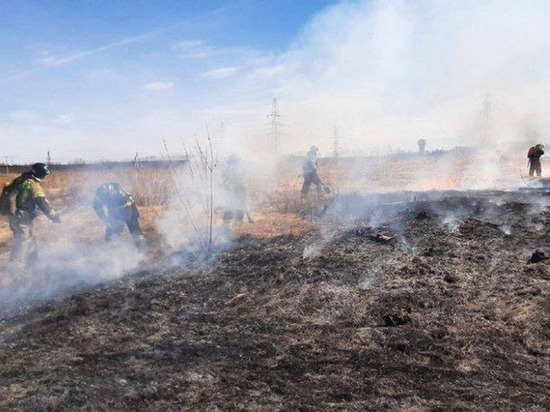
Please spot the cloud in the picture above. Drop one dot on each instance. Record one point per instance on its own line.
(63, 59)
(63, 119)
(101, 75)
(21, 116)
(387, 72)
(49, 61)
(159, 86)
(220, 73)
(188, 45)
(192, 49)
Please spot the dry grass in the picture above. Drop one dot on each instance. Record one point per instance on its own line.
(444, 317)
(275, 205)
(72, 192)
(260, 328)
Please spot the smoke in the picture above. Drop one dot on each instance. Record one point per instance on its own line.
(210, 199)
(72, 255)
(65, 265)
(466, 73)
(327, 234)
(469, 73)
(192, 200)
(387, 72)
(187, 222)
(390, 72)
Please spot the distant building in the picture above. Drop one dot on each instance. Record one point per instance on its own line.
(421, 146)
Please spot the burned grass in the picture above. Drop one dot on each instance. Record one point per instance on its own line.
(442, 313)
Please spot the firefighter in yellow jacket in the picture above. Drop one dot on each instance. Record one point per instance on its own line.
(30, 200)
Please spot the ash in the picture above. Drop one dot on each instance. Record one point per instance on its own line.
(410, 302)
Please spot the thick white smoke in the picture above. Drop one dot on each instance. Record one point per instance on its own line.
(72, 254)
(389, 72)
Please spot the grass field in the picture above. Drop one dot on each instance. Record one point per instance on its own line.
(273, 196)
(390, 302)
(71, 193)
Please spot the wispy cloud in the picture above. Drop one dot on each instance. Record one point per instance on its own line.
(63, 119)
(56, 61)
(221, 73)
(200, 50)
(21, 116)
(101, 75)
(158, 86)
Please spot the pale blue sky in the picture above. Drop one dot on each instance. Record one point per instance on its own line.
(104, 79)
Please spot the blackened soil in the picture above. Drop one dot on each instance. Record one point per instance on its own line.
(447, 315)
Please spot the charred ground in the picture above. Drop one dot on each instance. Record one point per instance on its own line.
(429, 305)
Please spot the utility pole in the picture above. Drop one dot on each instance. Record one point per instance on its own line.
(275, 126)
(336, 142)
(49, 160)
(7, 166)
(137, 161)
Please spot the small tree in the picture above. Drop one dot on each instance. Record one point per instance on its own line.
(197, 200)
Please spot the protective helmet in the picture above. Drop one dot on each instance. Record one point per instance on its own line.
(313, 149)
(40, 170)
(540, 146)
(109, 190)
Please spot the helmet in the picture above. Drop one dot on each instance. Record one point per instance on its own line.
(540, 146)
(40, 170)
(313, 149)
(109, 190)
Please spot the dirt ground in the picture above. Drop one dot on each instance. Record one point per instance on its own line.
(408, 301)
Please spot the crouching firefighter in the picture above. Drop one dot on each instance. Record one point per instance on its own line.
(22, 200)
(116, 207)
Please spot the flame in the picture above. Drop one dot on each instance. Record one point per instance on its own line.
(453, 182)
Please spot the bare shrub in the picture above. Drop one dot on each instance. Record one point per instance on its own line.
(192, 204)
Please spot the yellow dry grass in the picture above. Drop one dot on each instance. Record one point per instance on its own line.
(275, 206)
(71, 193)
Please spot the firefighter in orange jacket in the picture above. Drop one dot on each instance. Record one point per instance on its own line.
(534, 155)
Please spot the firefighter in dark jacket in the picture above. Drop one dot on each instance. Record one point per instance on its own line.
(30, 200)
(309, 167)
(116, 207)
(534, 155)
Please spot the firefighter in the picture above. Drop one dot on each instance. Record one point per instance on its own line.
(29, 201)
(116, 207)
(235, 191)
(309, 167)
(534, 155)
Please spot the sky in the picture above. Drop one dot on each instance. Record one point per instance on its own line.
(102, 80)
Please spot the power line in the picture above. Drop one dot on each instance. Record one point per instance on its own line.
(274, 133)
(136, 161)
